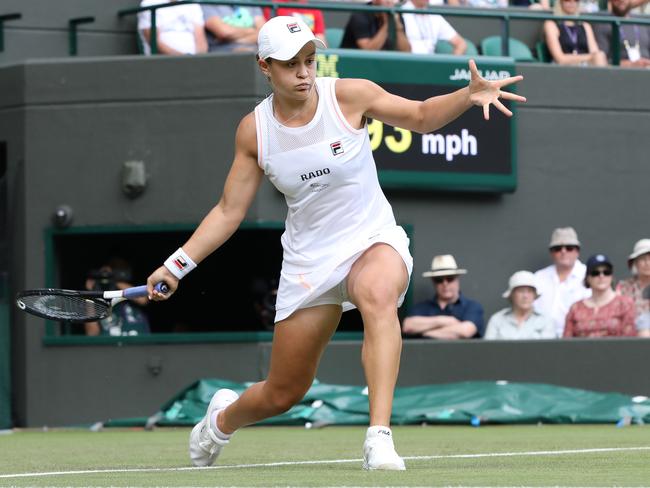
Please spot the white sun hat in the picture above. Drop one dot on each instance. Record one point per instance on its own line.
(520, 278)
(444, 265)
(640, 248)
(282, 37)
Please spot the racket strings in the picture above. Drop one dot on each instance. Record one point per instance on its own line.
(66, 307)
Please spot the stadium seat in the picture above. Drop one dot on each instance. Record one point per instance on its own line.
(491, 46)
(334, 36)
(444, 47)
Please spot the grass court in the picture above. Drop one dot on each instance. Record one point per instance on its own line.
(548, 455)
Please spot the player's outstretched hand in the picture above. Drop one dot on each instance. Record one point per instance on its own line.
(485, 93)
(162, 274)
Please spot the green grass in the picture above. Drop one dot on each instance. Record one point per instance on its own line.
(165, 449)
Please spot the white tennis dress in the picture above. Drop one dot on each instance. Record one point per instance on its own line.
(336, 208)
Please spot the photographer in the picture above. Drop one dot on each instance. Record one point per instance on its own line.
(128, 318)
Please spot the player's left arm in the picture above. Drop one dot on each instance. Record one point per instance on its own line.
(363, 98)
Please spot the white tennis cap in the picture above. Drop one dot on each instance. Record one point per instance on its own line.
(282, 37)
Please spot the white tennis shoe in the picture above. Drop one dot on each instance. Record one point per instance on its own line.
(379, 450)
(205, 445)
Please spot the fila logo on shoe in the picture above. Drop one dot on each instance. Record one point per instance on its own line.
(385, 432)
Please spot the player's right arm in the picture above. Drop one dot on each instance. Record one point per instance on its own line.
(223, 220)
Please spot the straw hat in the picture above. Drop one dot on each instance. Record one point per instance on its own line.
(444, 265)
(640, 248)
(564, 236)
(520, 278)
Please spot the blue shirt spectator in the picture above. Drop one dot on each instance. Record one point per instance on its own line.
(449, 314)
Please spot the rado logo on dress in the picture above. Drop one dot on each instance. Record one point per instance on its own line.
(315, 174)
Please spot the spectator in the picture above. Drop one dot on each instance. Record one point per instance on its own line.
(127, 318)
(479, 3)
(560, 285)
(312, 17)
(180, 29)
(520, 320)
(423, 31)
(531, 4)
(605, 313)
(372, 31)
(635, 39)
(448, 315)
(572, 42)
(643, 320)
(633, 287)
(232, 28)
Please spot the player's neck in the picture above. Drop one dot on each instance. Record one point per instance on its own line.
(295, 113)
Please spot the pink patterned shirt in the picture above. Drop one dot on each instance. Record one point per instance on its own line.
(614, 319)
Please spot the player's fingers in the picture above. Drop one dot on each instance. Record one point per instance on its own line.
(473, 69)
(508, 81)
(503, 108)
(486, 111)
(512, 96)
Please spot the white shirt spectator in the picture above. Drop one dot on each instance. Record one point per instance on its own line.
(556, 297)
(175, 25)
(424, 31)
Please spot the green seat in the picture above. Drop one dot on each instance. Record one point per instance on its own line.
(543, 54)
(491, 46)
(333, 36)
(444, 47)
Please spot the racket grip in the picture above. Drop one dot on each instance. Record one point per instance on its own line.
(141, 291)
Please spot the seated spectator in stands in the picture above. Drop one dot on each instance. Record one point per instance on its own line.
(560, 285)
(424, 31)
(372, 31)
(232, 28)
(604, 313)
(180, 29)
(635, 38)
(643, 320)
(572, 42)
(479, 3)
(127, 317)
(531, 4)
(448, 315)
(310, 16)
(633, 287)
(520, 320)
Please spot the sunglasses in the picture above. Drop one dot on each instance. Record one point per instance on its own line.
(566, 248)
(597, 272)
(447, 279)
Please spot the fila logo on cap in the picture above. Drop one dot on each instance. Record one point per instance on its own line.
(337, 148)
(293, 28)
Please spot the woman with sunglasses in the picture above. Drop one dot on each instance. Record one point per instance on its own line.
(572, 42)
(605, 313)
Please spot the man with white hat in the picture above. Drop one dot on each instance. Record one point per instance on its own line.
(449, 314)
(520, 320)
(561, 284)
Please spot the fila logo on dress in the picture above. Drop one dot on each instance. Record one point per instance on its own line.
(337, 148)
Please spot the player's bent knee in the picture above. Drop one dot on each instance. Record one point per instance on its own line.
(282, 399)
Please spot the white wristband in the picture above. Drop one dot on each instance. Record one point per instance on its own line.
(179, 263)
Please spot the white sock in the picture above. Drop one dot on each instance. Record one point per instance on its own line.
(215, 427)
(379, 430)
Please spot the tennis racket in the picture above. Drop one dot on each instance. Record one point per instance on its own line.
(77, 306)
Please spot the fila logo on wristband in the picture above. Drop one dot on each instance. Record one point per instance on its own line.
(179, 263)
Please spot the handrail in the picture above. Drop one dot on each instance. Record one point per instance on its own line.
(72, 32)
(3, 19)
(505, 16)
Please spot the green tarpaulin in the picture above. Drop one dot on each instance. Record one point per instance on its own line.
(456, 403)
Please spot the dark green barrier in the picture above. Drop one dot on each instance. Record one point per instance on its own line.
(471, 402)
(5, 381)
(469, 153)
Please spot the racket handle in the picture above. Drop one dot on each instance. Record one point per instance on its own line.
(141, 291)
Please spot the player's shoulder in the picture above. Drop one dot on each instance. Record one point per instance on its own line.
(247, 132)
(355, 89)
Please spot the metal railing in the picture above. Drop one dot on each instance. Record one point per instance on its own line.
(72, 32)
(506, 16)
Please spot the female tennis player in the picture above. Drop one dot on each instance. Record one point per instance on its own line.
(342, 247)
